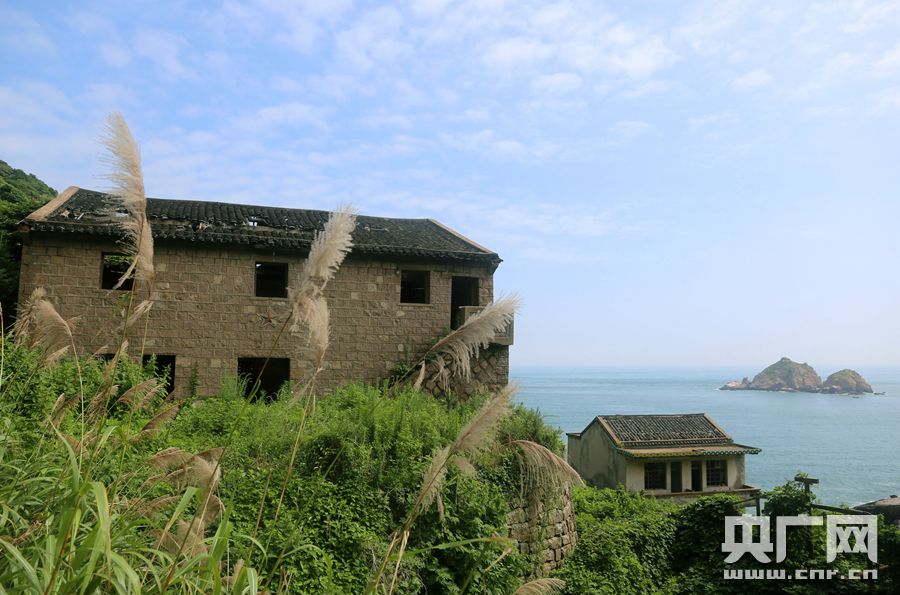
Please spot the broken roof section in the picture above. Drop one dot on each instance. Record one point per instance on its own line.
(81, 211)
(681, 434)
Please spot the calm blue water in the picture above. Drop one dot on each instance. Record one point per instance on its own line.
(851, 444)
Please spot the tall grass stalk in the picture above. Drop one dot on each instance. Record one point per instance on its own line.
(473, 437)
(454, 353)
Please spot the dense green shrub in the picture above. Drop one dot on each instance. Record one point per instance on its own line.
(632, 543)
(623, 543)
(30, 387)
(358, 468)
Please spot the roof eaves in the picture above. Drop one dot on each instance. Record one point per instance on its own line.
(235, 237)
(667, 453)
(460, 236)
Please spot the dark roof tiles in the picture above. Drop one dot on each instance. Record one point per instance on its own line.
(648, 431)
(95, 213)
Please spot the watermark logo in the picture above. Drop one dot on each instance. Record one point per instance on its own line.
(845, 534)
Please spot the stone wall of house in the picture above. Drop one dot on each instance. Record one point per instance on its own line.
(206, 314)
(545, 531)
(490, 372)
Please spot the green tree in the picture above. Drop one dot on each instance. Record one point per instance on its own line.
(20, 194)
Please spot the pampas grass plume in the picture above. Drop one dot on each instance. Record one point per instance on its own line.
(51, 332)
(464, 343)
(22, 325)
(543, 466)
(328, 250)
(127, 179)
(476, 434)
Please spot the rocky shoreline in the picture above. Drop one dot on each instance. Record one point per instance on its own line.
(786, 375)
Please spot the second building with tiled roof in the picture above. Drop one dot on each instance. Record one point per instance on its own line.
(675, 455)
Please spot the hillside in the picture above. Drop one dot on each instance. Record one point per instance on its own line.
(18, 186)
(20, 194)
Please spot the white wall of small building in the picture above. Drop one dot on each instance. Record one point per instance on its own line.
(595, 458)
(634, 473)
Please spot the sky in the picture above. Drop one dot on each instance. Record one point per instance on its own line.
(668, 183)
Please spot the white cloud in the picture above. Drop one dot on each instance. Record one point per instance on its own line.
(890, 61)
(376, 38)
(281, 118)
(884, 102)
(559, 83)
(645, 88)
(708, 27)
(864, 16)
(20, 32)
(758, 77)
(618, 49)
(429, 8)
(488, 142)
(629, 129)
(163, 49)
(387, 120)
(643, 59)
(714, 121)
(114, 54)
(108, 96)
(298, 24)
(517, 53)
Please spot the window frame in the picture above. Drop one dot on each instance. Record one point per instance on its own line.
(163, 360)
(661, 466)
(426, 289)
(109, 283)
(724, 471)
(251, 376)
(256, 272)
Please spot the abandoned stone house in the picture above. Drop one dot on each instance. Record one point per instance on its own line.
(223, 276)
(679, 456)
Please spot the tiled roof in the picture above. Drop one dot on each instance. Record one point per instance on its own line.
(96, 213)
(677, 430)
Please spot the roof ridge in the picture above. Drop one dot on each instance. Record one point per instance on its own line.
(278, 207)
(91, 212)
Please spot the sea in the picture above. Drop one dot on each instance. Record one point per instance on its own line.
(850, 444)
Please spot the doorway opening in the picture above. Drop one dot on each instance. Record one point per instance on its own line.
(463, 292)
(696, 476)
(675, 471)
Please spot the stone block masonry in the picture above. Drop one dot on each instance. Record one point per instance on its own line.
(206, 314)
(490, 373)
(544, 531)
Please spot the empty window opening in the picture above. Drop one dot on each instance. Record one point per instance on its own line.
(163, 367)
(414, 287)
(716, 473)
(654, 476)
(696, 477)
(271, 375)
(271, 279)
(114, 266)
(463, 292)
